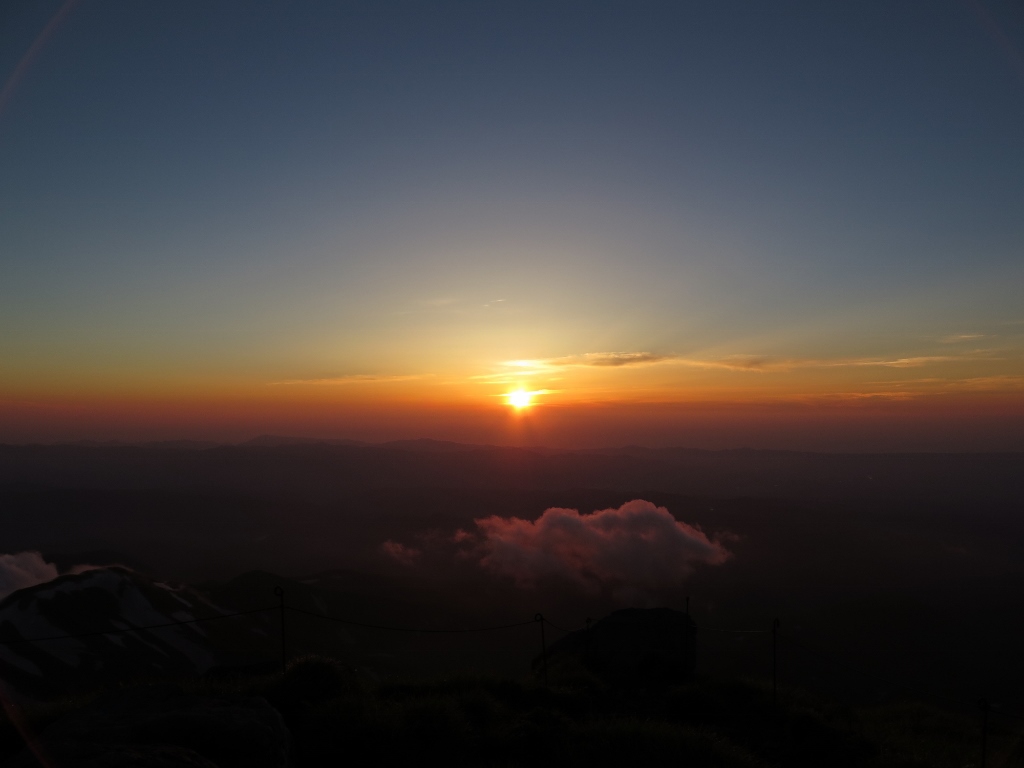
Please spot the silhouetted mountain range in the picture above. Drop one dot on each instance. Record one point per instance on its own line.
(321, 470)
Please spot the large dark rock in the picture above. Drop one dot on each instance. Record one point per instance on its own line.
(652, 646)
(97, 620)
(159, 726)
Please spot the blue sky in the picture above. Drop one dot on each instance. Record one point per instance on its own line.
(235, 194)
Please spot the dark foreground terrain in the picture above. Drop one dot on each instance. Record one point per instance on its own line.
(321, 713)
(896, 579)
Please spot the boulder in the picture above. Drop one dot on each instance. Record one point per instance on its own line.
(633, 646)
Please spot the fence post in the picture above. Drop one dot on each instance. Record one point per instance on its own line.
(686, 636)
(984, 706)
(543, 647)
(279, 591)
(775, 661)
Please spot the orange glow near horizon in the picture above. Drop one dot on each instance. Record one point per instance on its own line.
(963, 421)
(879, 403)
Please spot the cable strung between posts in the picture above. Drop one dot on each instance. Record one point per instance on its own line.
(407, 629)
(702, 628)
(136, 629)
(735, 631)
(562, 629)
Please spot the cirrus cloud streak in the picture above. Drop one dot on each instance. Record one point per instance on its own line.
(747, 363)
(359, 378)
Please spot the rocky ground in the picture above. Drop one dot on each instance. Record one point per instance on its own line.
(321, 713)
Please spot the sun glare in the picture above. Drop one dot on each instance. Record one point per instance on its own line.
(520, 399)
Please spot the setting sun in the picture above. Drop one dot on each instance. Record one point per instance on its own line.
(520, 399)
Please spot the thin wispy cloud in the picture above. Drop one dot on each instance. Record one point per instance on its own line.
(1002, 383)
(900, 362)
(749, 363)
(752, 363)
(610, 359)
(957, 338)
(531, 392)
(352, 379)
(769, 364)
(589, 360)
(853, 396)
(939, 386)
(549, 366)
(766, 364)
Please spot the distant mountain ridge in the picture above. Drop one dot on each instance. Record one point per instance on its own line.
(271, 441)
(326, 472)
(277, 441)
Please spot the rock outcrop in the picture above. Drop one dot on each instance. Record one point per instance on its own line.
(81, 631)
(632, 646)
(161, 727)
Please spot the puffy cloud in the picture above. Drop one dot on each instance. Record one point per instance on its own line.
(636, 548)
(400, 552)
(24, 569)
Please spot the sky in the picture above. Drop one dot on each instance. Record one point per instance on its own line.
(712, 224)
